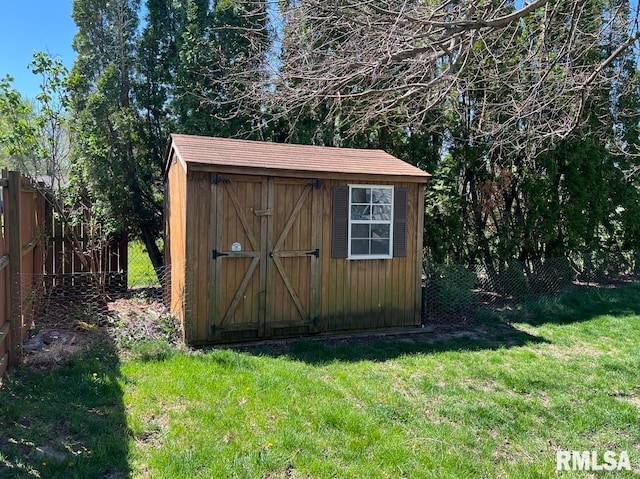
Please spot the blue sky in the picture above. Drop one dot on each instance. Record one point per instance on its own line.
(27, 26)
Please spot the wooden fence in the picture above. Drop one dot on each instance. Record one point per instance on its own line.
(68, 254)
(39, 253)
(21, 262)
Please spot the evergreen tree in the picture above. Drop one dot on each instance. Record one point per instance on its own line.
(108, 159)
(212, 37)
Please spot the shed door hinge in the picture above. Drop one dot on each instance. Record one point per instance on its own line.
(217, 179)
(317, 184)
(215, 254)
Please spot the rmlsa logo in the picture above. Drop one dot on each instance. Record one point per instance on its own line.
(592, 461)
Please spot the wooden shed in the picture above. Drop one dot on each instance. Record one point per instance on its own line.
(273, 240)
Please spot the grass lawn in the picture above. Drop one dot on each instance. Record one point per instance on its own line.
(496, 402)
(141, 272)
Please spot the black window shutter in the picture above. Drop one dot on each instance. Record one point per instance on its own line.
(400, 222)
(339, 221)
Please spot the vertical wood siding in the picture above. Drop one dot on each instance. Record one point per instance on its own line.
(198, 255)
(372, 293)
(268, 289)
(175, 237)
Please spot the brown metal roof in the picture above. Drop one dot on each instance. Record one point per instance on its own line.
(284, 156)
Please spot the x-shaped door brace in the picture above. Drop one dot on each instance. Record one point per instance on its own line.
(275, 254)
(255, 254)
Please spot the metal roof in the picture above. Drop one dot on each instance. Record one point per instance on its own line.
(204, 150)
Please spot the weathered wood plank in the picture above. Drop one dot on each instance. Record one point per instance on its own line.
(199, 231)
(266, 264)
(316, 241)
(291, 290)
(419, 253)
(213, 268)
(4, 283)
(291, 219)
(303, 253)
(240, 290)
(12, 228)
(175, 245)
(241, 216)
(387, 287)
(29, 247)
(264, 220)
(217, 295)
(311, 175)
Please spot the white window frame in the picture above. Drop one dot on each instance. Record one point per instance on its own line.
(351, 222)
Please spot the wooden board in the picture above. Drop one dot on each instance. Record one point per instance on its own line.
(263, 280)
(264, 283)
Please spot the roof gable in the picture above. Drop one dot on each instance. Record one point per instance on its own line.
(203, 150)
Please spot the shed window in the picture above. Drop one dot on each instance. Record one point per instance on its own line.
(370, 221)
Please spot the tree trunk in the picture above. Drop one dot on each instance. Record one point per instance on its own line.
(155, 255)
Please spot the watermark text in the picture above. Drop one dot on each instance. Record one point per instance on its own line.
(592, 461)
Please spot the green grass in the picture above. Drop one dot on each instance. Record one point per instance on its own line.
(141, 272)
(68, 423)
(496, 403)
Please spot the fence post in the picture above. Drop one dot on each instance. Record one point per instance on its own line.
(15, 257)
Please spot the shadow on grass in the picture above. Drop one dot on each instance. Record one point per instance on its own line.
(430, 340)
(68, 422)
(580, 303)
(490, 330)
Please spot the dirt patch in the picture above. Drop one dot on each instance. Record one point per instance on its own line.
(49, 347)
(124, 321)
(139, 319)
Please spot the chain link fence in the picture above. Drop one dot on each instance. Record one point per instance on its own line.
(64, 297)
(451, 292)
(455, 292)
(68, 298)
(69, 308)
(141, 273)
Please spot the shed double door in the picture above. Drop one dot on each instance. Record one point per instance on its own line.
(265, 241)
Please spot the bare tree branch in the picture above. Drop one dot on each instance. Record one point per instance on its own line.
(528, 69)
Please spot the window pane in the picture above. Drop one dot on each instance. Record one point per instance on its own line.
(360, 195)
(380, 246)
(359, 246)
(380, 231)
(370, 217)
(360, 212)
(382, 213)
(381, 196)
(360, 231)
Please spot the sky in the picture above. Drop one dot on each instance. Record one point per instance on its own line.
(28, 26)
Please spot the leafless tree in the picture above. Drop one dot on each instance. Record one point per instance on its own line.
(523, 71)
